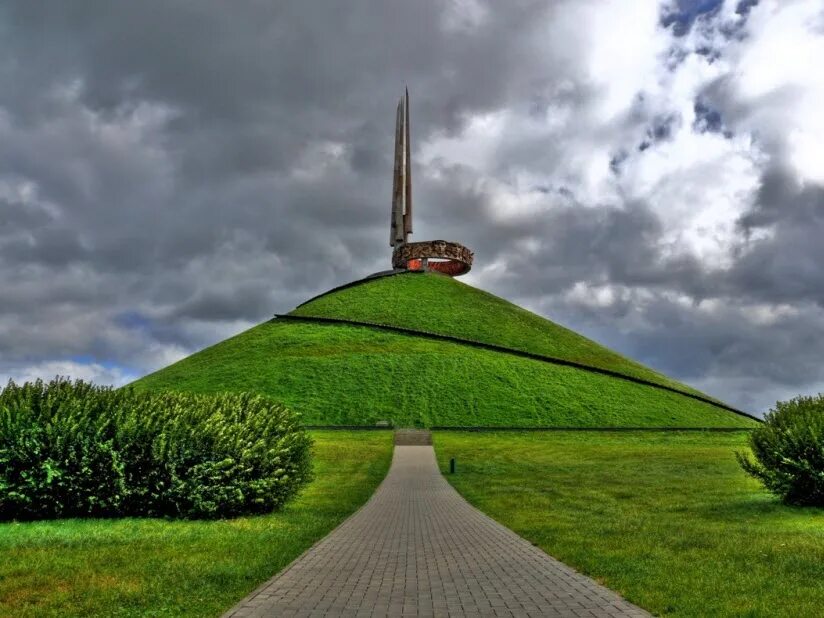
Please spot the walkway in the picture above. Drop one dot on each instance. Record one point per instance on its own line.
(417, 548)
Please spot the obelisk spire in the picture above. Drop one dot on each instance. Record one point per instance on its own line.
(401, 224)
(441, 256)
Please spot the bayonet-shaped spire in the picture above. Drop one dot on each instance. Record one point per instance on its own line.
(445, 257)
(401, 224)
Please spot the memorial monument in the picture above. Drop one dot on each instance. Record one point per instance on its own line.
(443, 256)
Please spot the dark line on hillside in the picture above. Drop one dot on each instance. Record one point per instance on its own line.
(492, 429)
(612, 429)
(357, 282)
(531, 355)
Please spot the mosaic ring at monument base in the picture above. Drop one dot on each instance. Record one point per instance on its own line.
(449, 258)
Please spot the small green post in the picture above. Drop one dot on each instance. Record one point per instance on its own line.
(452, 466)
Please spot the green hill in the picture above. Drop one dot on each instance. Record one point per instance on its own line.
(442, 305)
(346, 374)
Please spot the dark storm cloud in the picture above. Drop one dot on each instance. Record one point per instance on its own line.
(786, 265)
(197, 161)
(172, 172)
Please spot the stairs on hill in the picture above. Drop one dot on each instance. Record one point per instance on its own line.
(413, 437)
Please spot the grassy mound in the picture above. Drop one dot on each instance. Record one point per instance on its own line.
(337, 374)
(438, 304)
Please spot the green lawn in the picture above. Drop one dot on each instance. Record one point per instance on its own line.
(154, 567)
(667, 519)
(351, 375)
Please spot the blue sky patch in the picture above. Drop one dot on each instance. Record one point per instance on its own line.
(683, 15)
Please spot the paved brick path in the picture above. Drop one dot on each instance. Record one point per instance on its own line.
(417, 548)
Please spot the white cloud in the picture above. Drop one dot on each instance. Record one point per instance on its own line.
(90, 372)
(622, 49)
(777, 82)
(699, 185)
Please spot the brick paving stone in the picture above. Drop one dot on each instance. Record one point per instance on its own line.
(417, 548)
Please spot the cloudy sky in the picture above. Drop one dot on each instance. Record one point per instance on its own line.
(648, 173)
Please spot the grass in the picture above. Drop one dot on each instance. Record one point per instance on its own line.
(156, 567)
(443, 305)
(667, 519)
(342, 375)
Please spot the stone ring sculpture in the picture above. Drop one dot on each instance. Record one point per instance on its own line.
(449, 258)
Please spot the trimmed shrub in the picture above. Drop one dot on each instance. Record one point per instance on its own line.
(72, 449)
(789, 451)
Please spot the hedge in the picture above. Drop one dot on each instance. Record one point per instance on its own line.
(73, 449)
(789, 451)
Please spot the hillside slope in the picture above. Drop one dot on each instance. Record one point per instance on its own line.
(439, 304)
(341, 374)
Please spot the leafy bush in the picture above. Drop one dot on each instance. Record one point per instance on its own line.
(74, 449)
(789, 451)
